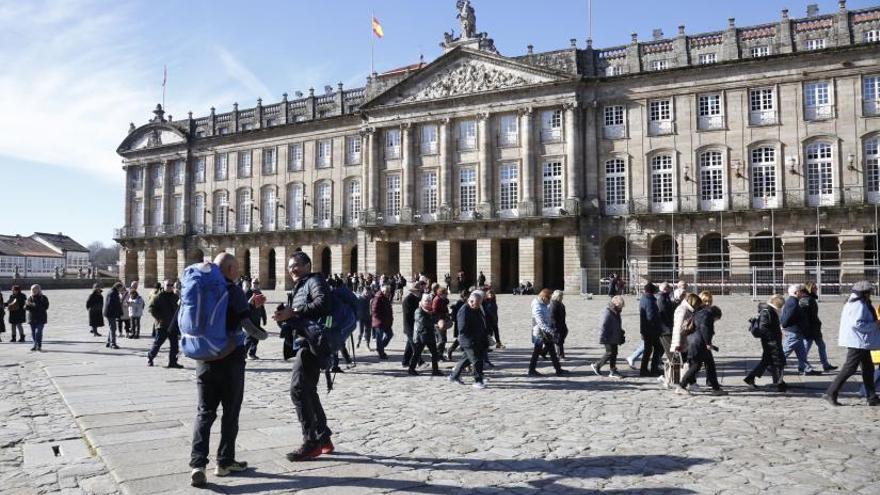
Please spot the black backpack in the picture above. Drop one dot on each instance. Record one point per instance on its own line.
(755, 326)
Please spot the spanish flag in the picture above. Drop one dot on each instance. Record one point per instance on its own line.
(377, 28)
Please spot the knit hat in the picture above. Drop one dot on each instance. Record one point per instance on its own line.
(863, 286)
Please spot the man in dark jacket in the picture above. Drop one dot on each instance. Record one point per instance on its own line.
(258, 314)
(771, 344)
(650, 326)
(473, 339)
(37, 306)
(17, 314)
(365, 329)
(163, 309)
(308, 302)
(408, 306)
(462, 301)
(795, 322)
(113, 312)
(666, 306)
(382, 318)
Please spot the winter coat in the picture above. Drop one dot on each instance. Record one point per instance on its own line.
(113, 305)
(381, 312)
(557, 317)
(704, 331)
(309, 297)
(18, 315)
(611, 331)
(122, 298)
(768, 322)
(472, 329)
(541, 322)
(135, 306)
(683, 312)
(363, 308)
(163, 308)
(440, 308)
(490, 309)
(649, 317)
(95, 304)
(454, 313)
(408, 306)
(813, 325)
(667, 313)
(858, 325)
(423, 326)
(37, 309)
(793, 318)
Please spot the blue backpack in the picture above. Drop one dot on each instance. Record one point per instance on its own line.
(202, 315)
(339, 324)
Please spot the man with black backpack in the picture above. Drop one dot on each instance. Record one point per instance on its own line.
(308, 301)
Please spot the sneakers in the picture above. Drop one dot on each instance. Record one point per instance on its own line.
(307, 452)
(595, 369)
(327, 447)
(614, 374)
(235, 467)
(682, 391)
(479, 385)
(454, 379)
(831, 400)
(750, 382)
(198, 478)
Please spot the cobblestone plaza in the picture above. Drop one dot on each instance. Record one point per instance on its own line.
(123, 427)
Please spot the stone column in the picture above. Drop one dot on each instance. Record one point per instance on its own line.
(687, 256)
(162, 261)
(794, 266)
(571, 249)
(589, 152)
(282, 280)
(572, 146)
(489, 259)
(852, 257)
(406, 166)
(527, 269)
(142, 266)
(260, 263)
(410, 257)
(639, 249)
(182, 261)
(167, 192)
(369, 252)
(486, 165)
(336, 261)
(528, 160)
(147, 267)
(381, 257)
(446, 153)
(740, 266)
(448, 258)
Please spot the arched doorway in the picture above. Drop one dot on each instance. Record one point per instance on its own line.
(663, 260)
(326, 259)
(765, 261)
(614, 256)
(353, 260)
(822, 259)
(713, 262)
(271, 280)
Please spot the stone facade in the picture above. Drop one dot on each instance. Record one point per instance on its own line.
(713, 157)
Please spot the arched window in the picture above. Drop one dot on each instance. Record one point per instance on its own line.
(615, 187)
(872, 168)
(820, 179)
(244, 209)
(662, 189)
(764, 180)
(711, 180)
(324, 196)
(268, 207)
(221, 211)
(295, 205)
(353, 202)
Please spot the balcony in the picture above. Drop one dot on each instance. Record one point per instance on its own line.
(660, 127)
(818, 112)
(614, 131)
(710, 122)
(762, 117)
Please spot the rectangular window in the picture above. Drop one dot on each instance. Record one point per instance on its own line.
(354, 202)
(508, 181)
(178, 209)
(817, 100)
(295, 158)
(552, 185)
(137, 213)
(429, 193)
(221, 167)
(392, 144)
(158, 213)
(244, 210)
(137, 178)
(158, 175)
(660, 117)
(467, 135)
(508, 130)
(353, 150)
(198, 213)
(709, 112)
(871, 95)
(613, 70)
(820, 180)
(392, 197)
(179, 173)
(551, 126)
(325, 205)
(615, 186)
(295, 206)
(816, 44)
(662, 183)
(763, 171)
(467, 190)
(268, 208)
(325, 150)
(221, 211)
(872, 36)
(711, 180)
(760, 51)
(659, 65)
(872, 168)
(428, 139)
(762, 106)
(707, 58)
(615, 127)
(200, 169)
(245, 164)
(269, 161)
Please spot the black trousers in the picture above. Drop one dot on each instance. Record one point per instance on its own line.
(610, 357)
(219, 382)
(653, 353)
(136, 326)
(408, 350)
(472, 357)
(304, 395)
(694, 366)
(540, 347)
(855, 358)
(251, 344)
(162, 335)
(418, 347)
(772, 358)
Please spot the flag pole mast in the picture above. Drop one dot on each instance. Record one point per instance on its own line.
(372, 48)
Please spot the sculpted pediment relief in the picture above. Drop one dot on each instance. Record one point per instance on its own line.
(156, 137)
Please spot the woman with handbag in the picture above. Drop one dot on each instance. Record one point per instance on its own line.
(17, 314)
(543, 333)
(700, 348)
(611, 336)
(557, 317)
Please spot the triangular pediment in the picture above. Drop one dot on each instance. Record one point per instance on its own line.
(464, 72)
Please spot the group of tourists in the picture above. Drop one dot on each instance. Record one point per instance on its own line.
(32, 309)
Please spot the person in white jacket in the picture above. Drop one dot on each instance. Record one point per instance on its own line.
(543, 333)
(135, 304)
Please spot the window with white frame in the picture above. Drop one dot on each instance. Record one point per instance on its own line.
(325, 151)
(200, 169)
(871, 95)
(158, 175)
(871, 36)
(467, 189)
(662, 183)
(198, 213)
(711, 180)
(762, 106)
(137, 213)
(815, 44)
(615, 123)
(817, 100)
(760, 51)
(552, 185)
(467, 135)
(352, 150)
(820, 179)
(324, 195)
(508, 130)
(658, 65)
(710, 112)
(353, 203)
(244, 210)
(221, 211)
(177, 212)
(707, 58)
(615, 186)
(429, 192)
(157, 212)
(179, 172)
(137, 178)
(764, 181)
(268, 207)
(551, 125)
(221, 166)
(428, 139)
(872, 168)
(245, 164)
(392, 144)
(508, 184)
(295, 205)
(392, 197)
(660, 117)
(295, 157)
(613, 70)
(269, 161)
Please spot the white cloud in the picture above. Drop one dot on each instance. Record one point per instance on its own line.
(238, 72)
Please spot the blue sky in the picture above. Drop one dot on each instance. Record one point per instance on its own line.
(76, 72)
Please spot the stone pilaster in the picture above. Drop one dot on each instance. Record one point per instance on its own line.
(784, 39)
(485, 187)
(337, 264)
(259, 263)
(740, 247)
(687, 256)
(528, 271)
(489, 260)
(852, 257)
(571, 251)
(639, 249)
(182, 261)
(406, 166)
(794, 269)
(526, 116)
(282, 280)
(572, 147)
(446, 153)
(448, 258)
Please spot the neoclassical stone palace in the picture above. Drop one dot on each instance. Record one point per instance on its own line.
(702, 155)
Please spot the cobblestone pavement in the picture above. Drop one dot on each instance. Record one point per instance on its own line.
(395, 433)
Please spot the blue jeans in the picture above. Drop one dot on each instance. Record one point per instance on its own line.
(637, 354)
(115, 325)
(793, 342)
(820, 344)
(383, 337)
(37, 334)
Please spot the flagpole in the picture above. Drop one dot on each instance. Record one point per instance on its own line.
(372, 46)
